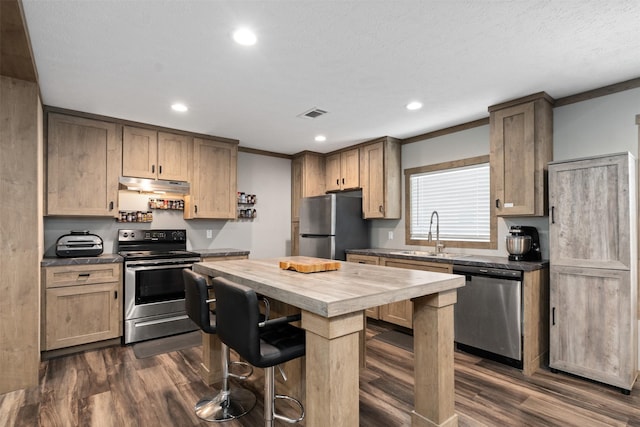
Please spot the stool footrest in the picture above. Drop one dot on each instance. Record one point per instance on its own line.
(287, 419)
(244, 375)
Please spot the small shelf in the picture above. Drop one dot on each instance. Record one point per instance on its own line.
(245, 206)
(135, 216)
(167, 204)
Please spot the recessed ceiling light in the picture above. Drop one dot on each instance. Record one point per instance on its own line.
(245, 37)
(179, 107)
(320, 138)
(415, 105)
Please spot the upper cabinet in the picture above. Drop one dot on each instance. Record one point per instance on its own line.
(521, 139)
(380, 179)
(147, 153)
(343, 170)
(307, 179)
(83, 162)
(213, 180)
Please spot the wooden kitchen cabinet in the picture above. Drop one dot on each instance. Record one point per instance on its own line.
(593, 257)
(380, 179)
(307, 179)
(343, 170)
(147, 153)
(401, 312)
(373, 312)
(82, 304)
(213, 180)
(521, 141)
(83, 162)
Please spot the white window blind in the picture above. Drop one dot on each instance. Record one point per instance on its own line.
(461, 197)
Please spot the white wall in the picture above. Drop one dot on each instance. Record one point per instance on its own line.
(269, 178)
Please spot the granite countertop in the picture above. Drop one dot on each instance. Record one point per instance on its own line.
(220, 252)
(101, 259)
(461, 259)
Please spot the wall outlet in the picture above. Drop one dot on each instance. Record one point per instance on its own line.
(391, 235)
(209, 234)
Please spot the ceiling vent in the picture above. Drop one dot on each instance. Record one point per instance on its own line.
(312, 114)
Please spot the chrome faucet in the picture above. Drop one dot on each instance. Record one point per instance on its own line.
(439, 246)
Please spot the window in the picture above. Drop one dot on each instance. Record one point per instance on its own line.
(460, 192)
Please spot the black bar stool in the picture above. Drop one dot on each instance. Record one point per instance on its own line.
(229, 403)
(263, 344)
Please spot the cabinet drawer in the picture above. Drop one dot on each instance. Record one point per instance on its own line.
(73, 275)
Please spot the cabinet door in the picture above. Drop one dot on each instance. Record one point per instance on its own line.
(83, 164)
(589, 222)
(332, 171)
(521, 146)
(296, 188)
(139, 152)
(401, 312)
(373, 312)
(591, 331)
(214, 186)
(81, 314)
(350, 169)
(380, 179)
(295, 238)
(373, 187)
(173, 156)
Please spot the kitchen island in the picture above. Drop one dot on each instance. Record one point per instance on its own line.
(332, 305)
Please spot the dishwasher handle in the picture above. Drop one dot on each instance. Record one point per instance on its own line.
(472, 270)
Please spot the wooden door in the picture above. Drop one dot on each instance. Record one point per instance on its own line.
(401, 312)
(513, 159)
(83, 164)
(82, 314)
(350, 167)
(589, 223)
(373, 312)
(296, 188)
(295, 238)
(214, 187)
(591, 332)
(173, 156)
(332, 172)
(373, 185)
(139, 152)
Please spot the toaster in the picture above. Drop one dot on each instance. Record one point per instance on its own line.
(79, 244)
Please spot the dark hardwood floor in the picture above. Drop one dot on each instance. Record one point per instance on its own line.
(110, 387)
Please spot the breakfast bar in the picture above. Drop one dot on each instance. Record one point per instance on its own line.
(332, 305)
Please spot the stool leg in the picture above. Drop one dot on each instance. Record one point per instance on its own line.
(229, 403)
(269, 396)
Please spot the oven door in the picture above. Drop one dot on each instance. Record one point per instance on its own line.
(154, 287)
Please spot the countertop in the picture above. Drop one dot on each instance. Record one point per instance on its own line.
(471, 260)
(111, 258)
(101, 259)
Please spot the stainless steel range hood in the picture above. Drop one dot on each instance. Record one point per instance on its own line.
(153, 185)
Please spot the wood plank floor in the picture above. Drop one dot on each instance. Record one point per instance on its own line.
(110, 387)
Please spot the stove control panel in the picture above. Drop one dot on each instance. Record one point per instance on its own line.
(152, 235)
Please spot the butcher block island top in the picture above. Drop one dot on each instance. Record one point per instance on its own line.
(332, 305)
(351, 287)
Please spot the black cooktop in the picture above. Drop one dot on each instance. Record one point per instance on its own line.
(129, 255)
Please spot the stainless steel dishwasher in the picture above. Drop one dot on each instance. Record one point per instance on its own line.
(488, 314)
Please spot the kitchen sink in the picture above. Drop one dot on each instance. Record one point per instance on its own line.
(428, 254)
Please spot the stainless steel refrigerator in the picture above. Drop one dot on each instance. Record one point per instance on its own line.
(330, 224)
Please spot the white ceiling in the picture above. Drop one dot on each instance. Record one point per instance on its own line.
(362, 61)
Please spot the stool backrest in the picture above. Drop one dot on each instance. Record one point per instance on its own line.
(196, 295)
(237, 317)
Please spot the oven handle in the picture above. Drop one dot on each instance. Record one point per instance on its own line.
(158, 266)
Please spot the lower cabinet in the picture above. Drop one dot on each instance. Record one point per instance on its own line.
(373, 312)
(81, 305)
(401, 312)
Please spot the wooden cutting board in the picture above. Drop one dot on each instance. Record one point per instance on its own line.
(310, 266)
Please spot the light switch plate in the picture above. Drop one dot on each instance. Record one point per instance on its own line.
(209, 234)
(391, 235)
